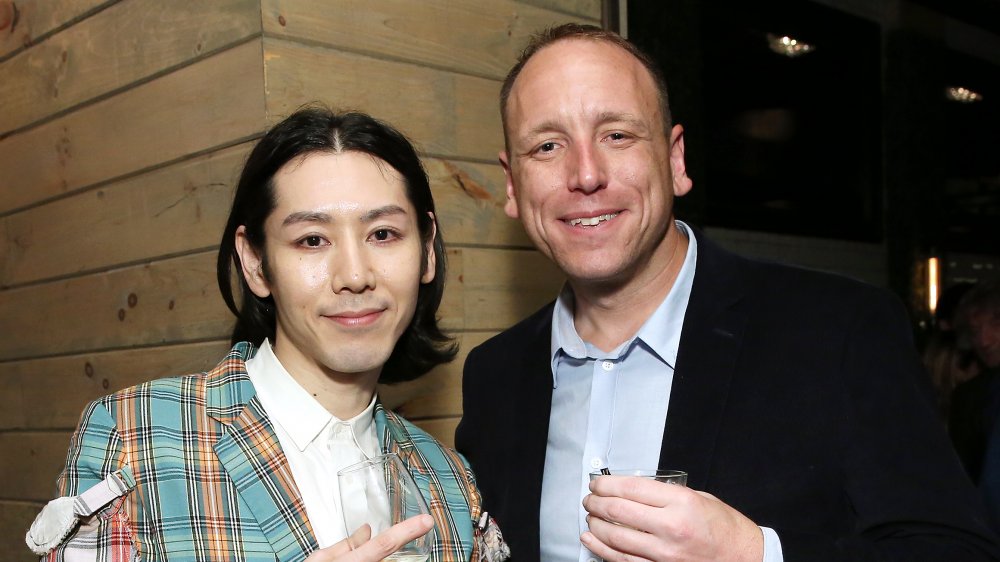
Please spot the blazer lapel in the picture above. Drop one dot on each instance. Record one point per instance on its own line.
(251, 455)
(709, 347)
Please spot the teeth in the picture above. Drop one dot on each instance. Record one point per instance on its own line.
(592, 221)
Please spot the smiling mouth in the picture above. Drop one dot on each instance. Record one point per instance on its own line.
(592, 221)
(356, 318)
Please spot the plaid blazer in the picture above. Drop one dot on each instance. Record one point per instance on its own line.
(212, 483)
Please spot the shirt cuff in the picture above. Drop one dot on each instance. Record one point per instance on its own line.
(772, 546)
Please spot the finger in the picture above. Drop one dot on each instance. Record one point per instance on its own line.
(624, 541)
(606, 552)
(359, 537)
(330, 553)
(638, 489)
(391, 539)
(598, 547)
(637, 515)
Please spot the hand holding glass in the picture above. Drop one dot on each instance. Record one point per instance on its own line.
(676, 477)
(379, 492)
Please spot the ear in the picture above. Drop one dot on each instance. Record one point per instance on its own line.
(431, 265)
(511, 206)
(678, 169)
(251, 264)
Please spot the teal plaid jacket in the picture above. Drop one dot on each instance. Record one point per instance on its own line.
(211, 480)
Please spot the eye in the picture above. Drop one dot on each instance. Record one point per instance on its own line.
(547, 147)
(617, 136)
(312, 241)
(384, 235)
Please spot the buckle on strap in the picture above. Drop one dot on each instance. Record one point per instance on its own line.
(60, 516)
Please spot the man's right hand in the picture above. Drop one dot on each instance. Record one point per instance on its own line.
(360, 547)
(657, 521)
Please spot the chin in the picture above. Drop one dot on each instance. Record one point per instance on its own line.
(593, 270)
(355, 361)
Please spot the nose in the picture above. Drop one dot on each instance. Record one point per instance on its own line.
(352, 269)
(590, 174)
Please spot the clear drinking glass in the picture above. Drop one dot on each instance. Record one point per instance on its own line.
(678, 477)
(380, 492)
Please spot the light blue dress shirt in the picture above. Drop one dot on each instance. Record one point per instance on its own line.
(602, 404)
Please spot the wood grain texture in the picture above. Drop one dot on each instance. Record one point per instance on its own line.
(23, 22)
(469, 199)
(500, 288)
(198, 107)
(183, 206)
(86, 377)
(163, 302)
(590, 9)
(124, 43)
(447, 114)
(167, 211)
(15, 518)
(439, 392)
(177, 300)
(467, 36)
(33, 459)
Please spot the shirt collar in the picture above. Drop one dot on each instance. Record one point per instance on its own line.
(661, 332)
(291, 406)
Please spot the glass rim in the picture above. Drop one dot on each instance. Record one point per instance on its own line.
(644, 472)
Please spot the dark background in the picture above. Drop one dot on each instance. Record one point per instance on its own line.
(853, 141)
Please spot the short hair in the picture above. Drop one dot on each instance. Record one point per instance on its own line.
(569, 31)
(314, 129)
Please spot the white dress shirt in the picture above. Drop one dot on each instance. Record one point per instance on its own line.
(316, 443)
(607, 411)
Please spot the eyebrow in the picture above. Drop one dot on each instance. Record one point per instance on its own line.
(384, 211)
(326, 218)
(613, 117)
(602, 118)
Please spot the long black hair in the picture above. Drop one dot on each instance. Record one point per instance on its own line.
(315, 129)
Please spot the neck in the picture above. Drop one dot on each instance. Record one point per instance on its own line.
(606, 315)
(343, 401)
(344, 395)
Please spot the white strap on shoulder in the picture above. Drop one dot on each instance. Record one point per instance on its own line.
(60, 516)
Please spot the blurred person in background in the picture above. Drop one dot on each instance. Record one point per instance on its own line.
(975, 403)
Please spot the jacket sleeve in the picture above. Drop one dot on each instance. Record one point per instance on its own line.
(103, 532)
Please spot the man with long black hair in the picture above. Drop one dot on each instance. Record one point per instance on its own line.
(338, 265)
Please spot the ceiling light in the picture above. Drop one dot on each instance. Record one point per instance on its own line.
(787, 46)
(962, 95)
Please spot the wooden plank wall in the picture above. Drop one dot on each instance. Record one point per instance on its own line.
(123, 124)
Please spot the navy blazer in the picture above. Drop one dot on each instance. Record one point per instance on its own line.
(798, 399)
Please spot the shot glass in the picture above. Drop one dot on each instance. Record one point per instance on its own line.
(678, 477)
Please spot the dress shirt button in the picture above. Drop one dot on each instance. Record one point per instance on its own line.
(595, 462)
(592, 560)
(607, 365)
